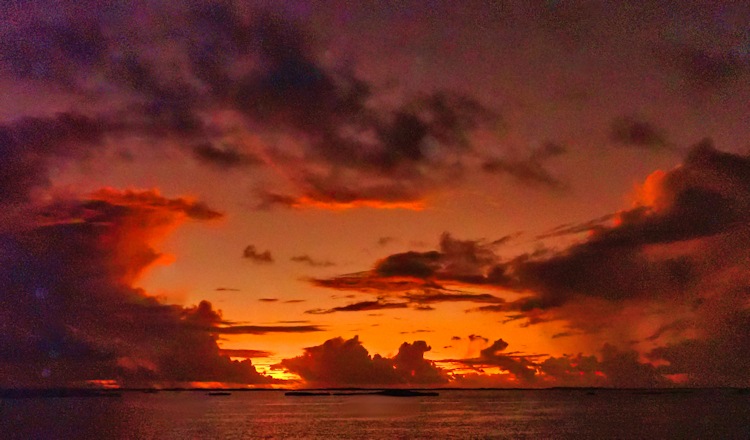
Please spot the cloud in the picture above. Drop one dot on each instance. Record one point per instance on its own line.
(457, 261)
(384, 241)
(252, 254)
(416, 331)
(647, 252)
(531, 170)
(520, 367)
(339, 199)
(339, 362)
(225, 158)
(359, 307)
(262, 329)
(226, 289)
(718, 354)
(438, 297)
(245, 353)
(153, 200)
(72, 314)
(423, 308)
(474, 337)
(30, 146)
(311, 261)
(681, 246)
(613, 368)
(505, 239)
(268, 299)
(707, 196)
(578, 228)
(225, 73)
(491, 308)
(631, 131)
(704, 69)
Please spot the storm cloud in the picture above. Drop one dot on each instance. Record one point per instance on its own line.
(70, 314)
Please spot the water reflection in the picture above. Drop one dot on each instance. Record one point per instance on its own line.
(454, 414)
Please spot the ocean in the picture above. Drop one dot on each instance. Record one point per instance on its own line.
(459, 414)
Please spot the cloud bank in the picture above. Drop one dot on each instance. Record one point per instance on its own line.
(679, 254)
(70, 314)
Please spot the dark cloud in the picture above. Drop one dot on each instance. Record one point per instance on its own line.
(674, 326)
(704, 199)
(226, 289)
(312, 261)
(334, 192)
(505, 239)
(624, 370)
(339, 362)
(268, 299)
(563, 335)
(423, 308)
(384, 241)
(719, 356)
(455, 338)
(54, 52)
(457, 261)
(578, 228)
(492, 356)
(635, 132)
(682, 245)
(152, 199)
(31, 146)
(708, 195)
(474, 337)
(227, 157)
(613, 368)
(244, 353)
(360, 307)
(531, 170)
(327, 110)
(252, 254)
(491, 308)
(409, 264)
(261, 73)
(70, 314)
(263, 329)
(706, 69)
(431, 297)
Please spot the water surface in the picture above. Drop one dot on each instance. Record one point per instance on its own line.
(454, 414)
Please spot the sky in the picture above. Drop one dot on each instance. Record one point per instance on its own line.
(328, 194)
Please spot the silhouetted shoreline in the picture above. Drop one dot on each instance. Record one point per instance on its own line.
(19, 393)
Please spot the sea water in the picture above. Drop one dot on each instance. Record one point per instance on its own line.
(460, 414)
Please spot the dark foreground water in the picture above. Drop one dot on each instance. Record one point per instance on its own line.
(709, 414)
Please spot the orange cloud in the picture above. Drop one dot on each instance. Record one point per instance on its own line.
(146, 219)
(306, 202)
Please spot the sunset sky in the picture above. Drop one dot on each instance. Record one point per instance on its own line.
(374, 193)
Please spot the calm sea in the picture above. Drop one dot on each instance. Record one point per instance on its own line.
(709, 414)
